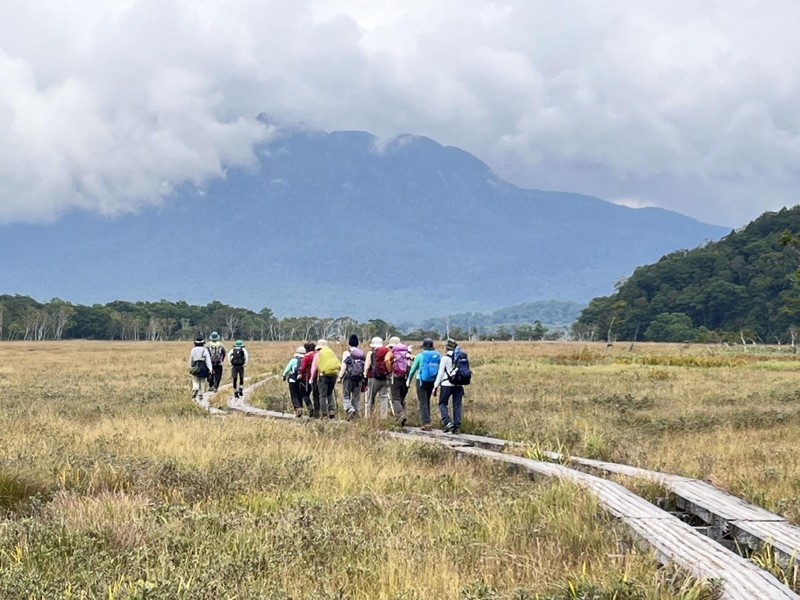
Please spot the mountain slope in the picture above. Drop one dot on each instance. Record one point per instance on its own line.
(334, 223)
(743, 285)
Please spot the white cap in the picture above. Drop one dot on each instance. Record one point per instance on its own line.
(377, 342)
(393, 341)
(321, 344)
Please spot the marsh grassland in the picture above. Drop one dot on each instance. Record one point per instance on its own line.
(114, 485)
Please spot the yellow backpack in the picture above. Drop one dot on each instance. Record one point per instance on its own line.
(328, 364)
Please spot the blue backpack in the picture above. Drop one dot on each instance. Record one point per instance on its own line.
(462, 374)
(429, 368)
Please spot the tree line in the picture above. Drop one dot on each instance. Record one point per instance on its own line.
(744, 288)
(24, 318)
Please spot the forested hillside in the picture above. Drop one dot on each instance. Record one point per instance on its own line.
(743, 287)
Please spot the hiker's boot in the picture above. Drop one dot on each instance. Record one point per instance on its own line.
(426, 427)
(448, 427)
(298, 412)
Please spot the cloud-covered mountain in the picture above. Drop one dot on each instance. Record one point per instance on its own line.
(342, 224)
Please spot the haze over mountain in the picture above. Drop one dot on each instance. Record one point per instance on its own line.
(341, 224)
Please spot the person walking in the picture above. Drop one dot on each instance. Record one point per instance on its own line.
(325, 371)
(425, 368)
(352, 375)
(397, 365)
(377, 378)
(452, 386)
(291, 374)
(238, 359)
(217, 352)
(309, 389)
(199, 367)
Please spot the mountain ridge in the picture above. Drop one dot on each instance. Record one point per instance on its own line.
(344, 223)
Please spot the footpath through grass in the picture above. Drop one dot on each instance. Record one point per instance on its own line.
(113, 485)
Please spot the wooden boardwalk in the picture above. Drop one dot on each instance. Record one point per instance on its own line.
(673, 540)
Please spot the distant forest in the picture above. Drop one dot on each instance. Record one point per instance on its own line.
(23, 318)
(744, 288)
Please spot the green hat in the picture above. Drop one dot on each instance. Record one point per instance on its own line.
(239, 344)
(214, 337)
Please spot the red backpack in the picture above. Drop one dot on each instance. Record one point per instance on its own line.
(379, 370)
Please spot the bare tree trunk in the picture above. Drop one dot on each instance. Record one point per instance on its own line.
(231, 322)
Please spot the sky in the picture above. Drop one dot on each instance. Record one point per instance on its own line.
(689, 105)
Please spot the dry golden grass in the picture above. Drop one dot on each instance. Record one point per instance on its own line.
(115, 485)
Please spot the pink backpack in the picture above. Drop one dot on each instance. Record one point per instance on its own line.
(400, 366)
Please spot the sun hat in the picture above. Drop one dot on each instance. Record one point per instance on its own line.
(393, 341)
(353, 341)
(301, 351)
(451, 344)
(239, 344)
(427, 344)
(377, 342)
(321, 344)
(214, 337)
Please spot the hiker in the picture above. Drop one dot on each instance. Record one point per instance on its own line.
(309, 392)
(454, 373)
(199, 367)
(425, 367)
(325, 371)
(217, 352)
(352, 375)
(377, 378)
(397, 365)
(238, 358)
(291, 374)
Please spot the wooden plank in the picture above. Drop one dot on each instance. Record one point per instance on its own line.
(672, 539)
(782, 536)
(715, 506)
(474, 440)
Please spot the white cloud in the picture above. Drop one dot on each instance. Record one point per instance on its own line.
(107, 105)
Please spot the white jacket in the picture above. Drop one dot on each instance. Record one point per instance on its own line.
(446, 371)
(200, 353)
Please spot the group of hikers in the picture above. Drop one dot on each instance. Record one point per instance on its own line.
(386, 372)
(206, 363)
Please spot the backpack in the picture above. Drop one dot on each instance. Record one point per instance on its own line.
(379, 370)
(217, 352)
(294, 375)
(462, 374)
(237, 358)
(355, 364)
(327, 363)
(199, 368)
(429, 368)
(400, 360)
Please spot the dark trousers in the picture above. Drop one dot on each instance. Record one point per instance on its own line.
(327, 386)
(215, 377)
(315, 398)
(238, 373)
(456, 392)
(305, 395)
(296, 395)
(424, 393)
